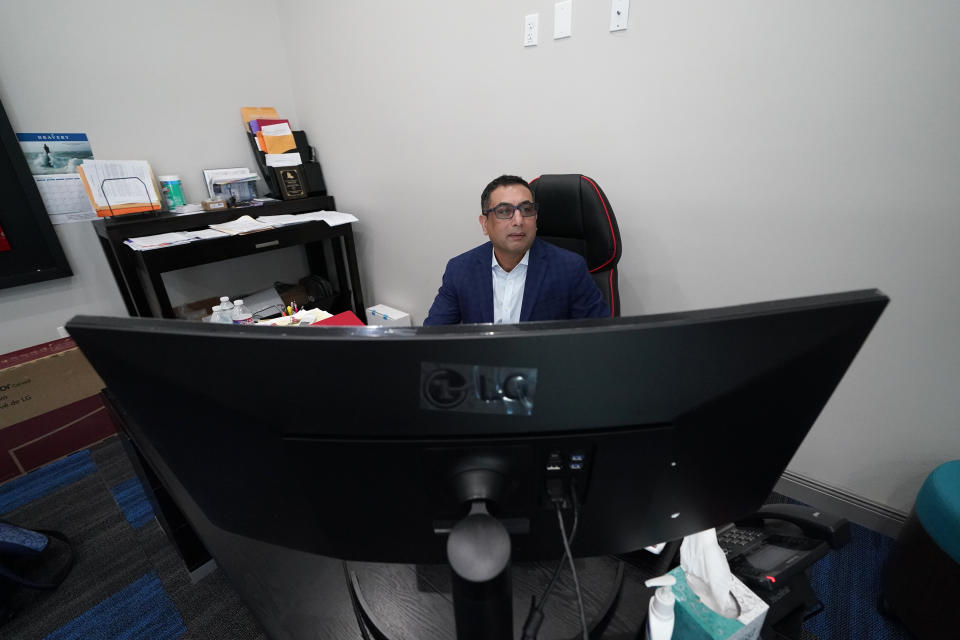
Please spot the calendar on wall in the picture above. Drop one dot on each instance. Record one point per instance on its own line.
(53, 159)
(65, 199)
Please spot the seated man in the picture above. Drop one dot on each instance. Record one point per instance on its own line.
(515, 277)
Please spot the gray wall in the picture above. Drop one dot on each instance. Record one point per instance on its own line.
(751, 150)
(162, 83)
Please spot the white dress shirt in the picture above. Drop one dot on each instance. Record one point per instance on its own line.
(508, 290)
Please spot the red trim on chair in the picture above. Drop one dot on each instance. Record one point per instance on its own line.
(613, 236)
(613, 298)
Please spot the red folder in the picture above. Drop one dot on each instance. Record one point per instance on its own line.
(344, 318)
(260, 123)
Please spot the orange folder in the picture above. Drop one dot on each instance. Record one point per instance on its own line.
(279, 144)
(117, 210)
(252, 113)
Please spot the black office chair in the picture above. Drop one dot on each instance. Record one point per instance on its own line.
(576, 215)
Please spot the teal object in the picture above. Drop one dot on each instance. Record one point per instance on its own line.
(693, 619)
(172, 190)
(938, 507)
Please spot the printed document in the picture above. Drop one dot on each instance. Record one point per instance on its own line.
(117, 182)
(243, 224)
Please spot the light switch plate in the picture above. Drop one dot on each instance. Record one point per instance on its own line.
(619, 9)
(531, 25)
(562, 19)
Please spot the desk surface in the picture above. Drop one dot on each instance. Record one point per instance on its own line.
(330, 251)
(148, 224)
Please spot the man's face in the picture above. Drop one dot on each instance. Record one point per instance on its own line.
(511, 238)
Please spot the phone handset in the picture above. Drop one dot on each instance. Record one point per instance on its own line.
(813, 522)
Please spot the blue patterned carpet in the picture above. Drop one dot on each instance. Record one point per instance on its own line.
(141, 610)
(128, 583)
(44, 481)
(847, 581)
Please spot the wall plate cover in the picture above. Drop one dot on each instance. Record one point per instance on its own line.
(531, 25)
(562, 19)
(619, 9)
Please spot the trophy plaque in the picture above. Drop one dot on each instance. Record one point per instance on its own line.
(291, 182)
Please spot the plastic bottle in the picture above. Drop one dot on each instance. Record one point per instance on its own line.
(660, 615)
(226, 309)
(241, 315)
(215, 317)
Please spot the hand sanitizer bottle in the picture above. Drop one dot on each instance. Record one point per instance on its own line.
(660, 614)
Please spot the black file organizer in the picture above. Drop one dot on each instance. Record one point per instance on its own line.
(312, 172)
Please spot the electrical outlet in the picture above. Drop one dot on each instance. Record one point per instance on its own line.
(562, 19)
(619, 9)
(531, 24)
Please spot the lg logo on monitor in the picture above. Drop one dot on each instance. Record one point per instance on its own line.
(477, 388)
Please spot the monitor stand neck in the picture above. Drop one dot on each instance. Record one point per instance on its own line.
(478, 551)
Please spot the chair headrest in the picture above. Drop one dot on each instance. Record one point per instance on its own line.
(575, 214)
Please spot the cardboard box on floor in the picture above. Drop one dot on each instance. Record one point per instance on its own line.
(49, 406)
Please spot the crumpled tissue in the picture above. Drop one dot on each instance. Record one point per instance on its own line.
(708, 572)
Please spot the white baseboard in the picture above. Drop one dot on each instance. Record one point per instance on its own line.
(854, 508)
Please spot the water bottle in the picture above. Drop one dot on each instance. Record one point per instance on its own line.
(241, 315)
(226, 309)
(215, 316)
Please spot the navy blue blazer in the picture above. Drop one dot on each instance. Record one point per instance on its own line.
(558, 287)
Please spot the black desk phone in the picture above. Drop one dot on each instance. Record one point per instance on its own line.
(778, 542)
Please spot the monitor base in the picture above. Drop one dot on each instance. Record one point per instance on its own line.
(415, 601)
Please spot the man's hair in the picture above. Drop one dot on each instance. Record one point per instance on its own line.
(502, 181)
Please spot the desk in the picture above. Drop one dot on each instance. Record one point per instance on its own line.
(330, 251)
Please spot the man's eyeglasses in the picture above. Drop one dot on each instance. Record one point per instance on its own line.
(504, 211)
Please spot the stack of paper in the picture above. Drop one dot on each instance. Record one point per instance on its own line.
(302, 318)
(144, 243)
(291, 159)
(273, 135)
(282, 220)
(332, 218)
(242, 225)
(116, 187)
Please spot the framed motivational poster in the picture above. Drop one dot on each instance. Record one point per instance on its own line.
(29, 248)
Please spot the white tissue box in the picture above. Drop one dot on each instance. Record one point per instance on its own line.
(384, 316)
(695, 621)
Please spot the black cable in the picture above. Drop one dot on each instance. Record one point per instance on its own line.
(573, 572)
(556, 572)
(576, 517)
(531, 625)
